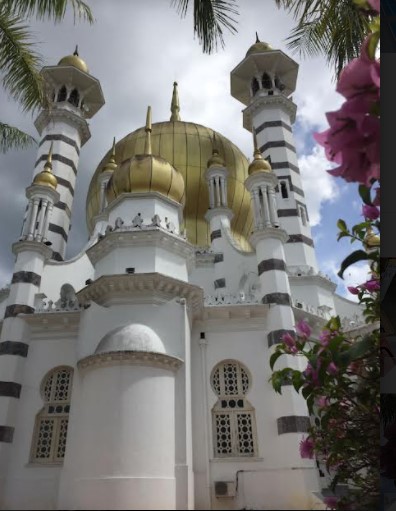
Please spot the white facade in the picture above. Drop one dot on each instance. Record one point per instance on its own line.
(135, 375)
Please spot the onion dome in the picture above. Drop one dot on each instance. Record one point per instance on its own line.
(259, 47)
(74, 60)
(111, 165)
(46, 177)
(259, 164)
(147, 173)
(215, 160)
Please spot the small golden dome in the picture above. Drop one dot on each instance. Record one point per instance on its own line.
(215, 160)
(371, 240)
(74, 60)
(46, 177)
(259, 164)
(111, 165)
(147, 173)
(259, 47)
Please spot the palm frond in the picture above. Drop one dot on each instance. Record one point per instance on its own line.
(19, 63)
(13, 138)
(54, 10)
(210, 18)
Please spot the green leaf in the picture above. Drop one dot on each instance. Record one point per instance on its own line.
(13, 138)
(342, 225)
(297, 380)
(360, 348)
(277, 380)
(357, 255)
(274, 358)
(364, 193)
(342, 235)
(334, 323)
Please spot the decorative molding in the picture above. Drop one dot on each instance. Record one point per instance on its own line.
(14, 348)
(57, 114)
(32, 246)
(6, 434)
(215, 234)
(10, 389)
(13, 310)
(278, 100)
(277, 298)
(293, 424)
(268, 233)
(142, 358)
(271, 264)
(61, 138)
(26, 277)
(275, 337)
(229, 299)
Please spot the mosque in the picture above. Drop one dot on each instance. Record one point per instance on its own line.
(135, 374)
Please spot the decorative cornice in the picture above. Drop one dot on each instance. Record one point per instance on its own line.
(43, 192)
(268, 233)
(235, 311)
(220, 212)
(149, 236)
(318, 279)
(262, 101)
(141, 288)
(259, 178)
(62, 115)
(32, 246)
(142, 358)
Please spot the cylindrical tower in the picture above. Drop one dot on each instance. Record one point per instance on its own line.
(73, 96)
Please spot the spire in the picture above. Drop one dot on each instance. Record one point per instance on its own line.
(147, 145)
(259, 164)
(46, 177)
(257, 38)
(76, 50)
(111, 165)
(48, 163)
(175, 106)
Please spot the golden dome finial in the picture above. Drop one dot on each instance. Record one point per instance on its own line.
(111, 165)
(257, 38)
(215, 160)
(175, 106)
(46, 177)
(76, 51)
(259, 164)
(147, 145)
(74, 60)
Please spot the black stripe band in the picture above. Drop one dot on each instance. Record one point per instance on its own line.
(277, 298)
(58, 157)
(271, 264)
(300, 238)
(287, 212)
(56, 256)
(215, 234)
(66, 184)
(219, 283)
(15, 309)
(275, 337)
(61, 138)
(10, 389)
(284, 165)
(219, 258)
(26, 277)
(63, 206)
(6, 434)
(14, 348)
(58, 230)
(273, 124)
(293, 424)
(277, 143)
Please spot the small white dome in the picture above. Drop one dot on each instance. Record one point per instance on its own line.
(133, 337)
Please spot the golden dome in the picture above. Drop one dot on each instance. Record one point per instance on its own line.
(259, 164)
(187, 147)
(259, 47)
(46, 177)
(75, 61)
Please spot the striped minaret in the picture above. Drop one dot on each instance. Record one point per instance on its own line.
(31, 252)
(218, 215)
(269, 240)
(73, 96)
(263, 81)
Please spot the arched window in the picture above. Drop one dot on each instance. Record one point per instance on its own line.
(74, 97)
(62, 94)
(255, 86)
(284, 192)
(278, 84)
(50, 431)
(303, 215)
(234, 423)
(267, 82)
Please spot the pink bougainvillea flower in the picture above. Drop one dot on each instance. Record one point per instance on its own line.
(372, 285)
(303, 329)
(331, 502)
(307, 448)
(332, 368)
(312, 374)
(290, 343)
(353, 290)
(370, 212)
(325, 337)
(375, 4)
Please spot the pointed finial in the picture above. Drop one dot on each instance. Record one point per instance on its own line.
(46, 177)
(215, 160)
(259, 164)
(257, 38)
(255, 144)
(112, 155)
(147, 145)
(76, 51)
(111, 165)
(48, 163)
(175, 106)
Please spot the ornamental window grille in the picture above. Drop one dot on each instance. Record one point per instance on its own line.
(50, 431)
(62, 94)
(234, 423)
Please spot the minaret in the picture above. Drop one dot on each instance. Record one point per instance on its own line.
(269, 239)
(73, 96)
(219, 215)
(31, 252)
(264, 81)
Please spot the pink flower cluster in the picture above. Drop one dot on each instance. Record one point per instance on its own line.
(372, 286)
(353, 139)
(307, 448)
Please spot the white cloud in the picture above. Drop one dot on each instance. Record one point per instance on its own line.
(319, 186)
(353, 276)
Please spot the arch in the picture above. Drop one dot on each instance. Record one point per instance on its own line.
(233, 417)
(255, 86)
(62, 94)
(266, 81)
(50, 430)
(284, 190)
(74, 97)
